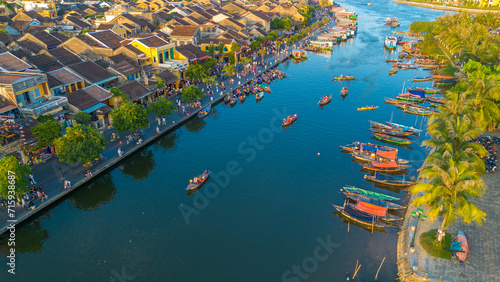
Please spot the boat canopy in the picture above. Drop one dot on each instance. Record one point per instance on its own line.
(371, 148)
(371, 209)
(419, 91)
(391, 164)
(387, 154)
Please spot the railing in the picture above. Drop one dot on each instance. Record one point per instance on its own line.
(37, 110)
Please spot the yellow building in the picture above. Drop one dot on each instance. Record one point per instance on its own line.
(157, 49)
(206, 43)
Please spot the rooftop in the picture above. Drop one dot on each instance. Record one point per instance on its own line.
(153, 41)
(65, 76)
(97, 92)
(184, 30)
(10, 62)
(135, 90)
(125, 68)
(106, 37)
(91, 71)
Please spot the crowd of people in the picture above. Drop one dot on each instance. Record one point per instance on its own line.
(488, 143)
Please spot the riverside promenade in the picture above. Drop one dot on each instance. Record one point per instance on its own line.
(483, 260)
(445, 7)
(53, 173)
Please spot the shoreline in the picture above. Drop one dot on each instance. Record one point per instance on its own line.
(445, 8)
(23, 214)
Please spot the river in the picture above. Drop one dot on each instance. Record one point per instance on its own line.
(267, 208)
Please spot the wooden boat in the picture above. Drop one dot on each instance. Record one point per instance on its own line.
(392, 139)
(393, 61)
(264, 88)
(325, 100)
(377, 202)
(422, 79)
(369, 4)
(405, 127)
(390, 180)
(242, 98)
(371, 194)
(233, 101)
(393, 71)
(393, 101)
(348, 77)
(409, 97)
(259, 96)
(359, 217)
(391, 166)
(227, 98)
(441, 77)
(390, 42)
(203, 113)
(289, 120)
(395, 24)
(367, 108)
(389, 21)
(418, 111)
(465, 247)
(344, 91)
(358, 146)
(198, 181)
(369, 209)
(392, 132)
(435, 100)
(378, 156)
(432, 91)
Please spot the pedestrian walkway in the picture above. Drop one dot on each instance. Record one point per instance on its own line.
(53, 173)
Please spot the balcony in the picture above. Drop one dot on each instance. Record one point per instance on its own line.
(36, 110)
(175, 65)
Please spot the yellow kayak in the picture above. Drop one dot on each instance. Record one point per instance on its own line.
(367, 108)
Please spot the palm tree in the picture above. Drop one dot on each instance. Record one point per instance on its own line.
(450, 186)
(484, 91)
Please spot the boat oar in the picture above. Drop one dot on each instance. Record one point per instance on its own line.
(376, 275)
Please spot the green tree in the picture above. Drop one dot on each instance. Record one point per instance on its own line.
(159, 82)
(81, 143)
(162, 107)
(262, 53)
(451, 184)
(196, 72)
(84, 31)
(47, 131)
(228, 70)
(3, 31)
(220, 47)
(118, 94)
(211, 48)
(129, 117)
(208, 64)
(83, 118)
(13, 175)
(191, 93)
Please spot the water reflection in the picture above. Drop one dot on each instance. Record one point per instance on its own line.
(168, 143)
(100, 191)
(29, 239)
(195, 125)
(140, 165)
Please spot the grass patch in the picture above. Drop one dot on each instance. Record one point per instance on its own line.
(449, 70)
(429, 242)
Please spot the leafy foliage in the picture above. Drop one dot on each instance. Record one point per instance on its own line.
(83, 118)
(196, 72)
(19, 173)
(129, 117)
(162, 107)
(47, 131)
(159, 82)
(80, 144)
(191, 93)
(228, 70)
(118, 93)
(280, 23)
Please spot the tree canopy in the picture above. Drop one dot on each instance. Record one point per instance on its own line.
(191, 93)
(162, 107)
(11, 170)
(81, 143)
(83, 118)
(129, 117)
(47, 131)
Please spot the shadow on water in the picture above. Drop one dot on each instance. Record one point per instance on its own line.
(168, 143)
(365, 227)
(144, 160)
(195, 125)
(98, 192)
(29, 239)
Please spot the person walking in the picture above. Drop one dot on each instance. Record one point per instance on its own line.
(164, 121)
(120, 152)
(32, 180)
(157, 130)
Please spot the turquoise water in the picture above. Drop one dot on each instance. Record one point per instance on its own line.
(267, 208)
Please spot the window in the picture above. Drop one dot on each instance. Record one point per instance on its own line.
(206, 48)
(225, 49)
(215, 49)
(154, 59)
(37, 93)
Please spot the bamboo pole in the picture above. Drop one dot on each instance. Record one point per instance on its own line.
(373, 223)
(356, 270)
(376, 275)
(348, 224)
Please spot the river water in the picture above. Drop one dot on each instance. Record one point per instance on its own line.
(267, 208)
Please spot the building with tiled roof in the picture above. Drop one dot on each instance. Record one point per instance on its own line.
(93, 74)
(191, 52)
(64, 56)
(71, 81)
(135, 90)
(125, 70)
(185, 34)
(9, 62)
(77, 23)
(107, 38)
(44, 62)
(44, 39)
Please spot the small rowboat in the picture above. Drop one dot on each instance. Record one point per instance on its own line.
(392, 132)
(197, 182)
(359, 217)
(395, 24)
(233, 101)
(203, 113)
(344, 77)
(432, 91)
(421, 79)
(378, 212)
(371, 194)
(408, 97)
(418, 111)
(344, 91)
(264, 88)
(405, 127)
(389, 180)
(242, 98)
(366, 156)
(441, 77)
(392, 139)
(394, 61)
(358, 146)
(227, 99)
(435, 100)
(325, 100)
(259, 96)
(289, 120)
(391, 166)
(465, 247)
(367, 108)
(361, 198)
(399, 131)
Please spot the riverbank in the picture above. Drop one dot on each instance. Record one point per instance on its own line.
(445, 8)
(53, 173)
(483, 261)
